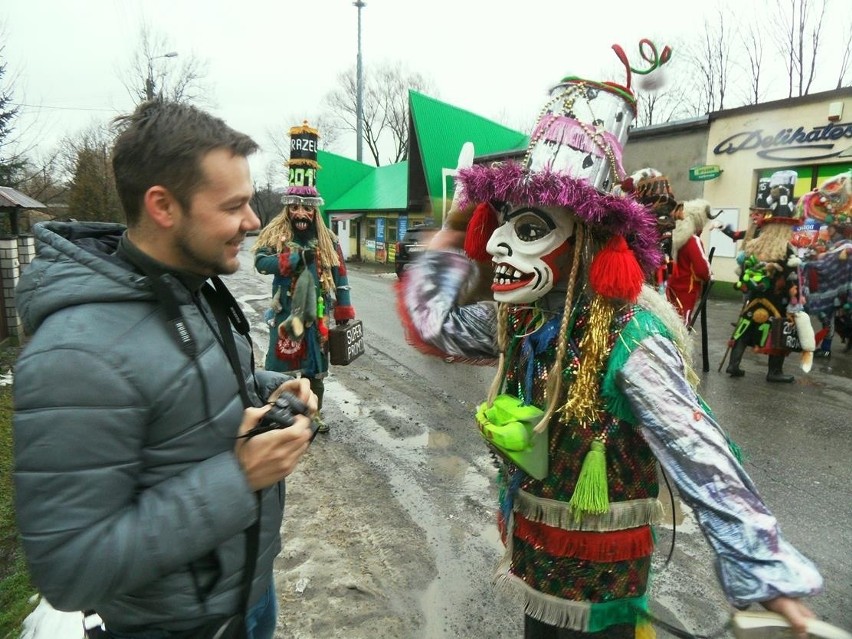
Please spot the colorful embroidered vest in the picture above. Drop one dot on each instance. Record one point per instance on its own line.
(582, 571)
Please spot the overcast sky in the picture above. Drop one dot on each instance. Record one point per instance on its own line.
(271, 62)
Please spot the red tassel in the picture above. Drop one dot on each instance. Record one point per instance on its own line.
(482, 224)
(615, 272)
(322, 327)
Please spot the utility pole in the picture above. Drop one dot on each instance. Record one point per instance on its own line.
(359, 92)
(149, 81)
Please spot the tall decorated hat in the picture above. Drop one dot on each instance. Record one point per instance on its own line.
(303, 167)
(775, 199)
(573, 161)
(651, 188)
(831, 202)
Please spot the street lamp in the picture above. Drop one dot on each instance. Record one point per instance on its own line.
(149, 81)
(359, 92)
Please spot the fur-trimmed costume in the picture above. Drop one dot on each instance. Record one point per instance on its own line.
(691, 269)
(651, 188)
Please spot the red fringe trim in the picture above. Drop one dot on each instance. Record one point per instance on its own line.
(413, 337)
(618, 545)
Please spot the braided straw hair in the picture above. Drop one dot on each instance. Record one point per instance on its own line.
(554, 382)
(279, 233)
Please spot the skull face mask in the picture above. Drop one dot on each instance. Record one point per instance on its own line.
(526, 249)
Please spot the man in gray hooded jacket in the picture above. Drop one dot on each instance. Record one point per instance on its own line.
(134, 490)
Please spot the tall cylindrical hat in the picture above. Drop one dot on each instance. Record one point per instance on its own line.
(574, 160)
(581, 131)
(303, 167)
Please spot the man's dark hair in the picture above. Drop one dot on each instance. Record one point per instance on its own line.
(163, 143)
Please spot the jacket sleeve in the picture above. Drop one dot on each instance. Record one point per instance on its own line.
(268, 381)
(434, 321)
(89, 529)
(753, 560)
(284, 263)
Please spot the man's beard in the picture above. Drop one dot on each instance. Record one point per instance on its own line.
(200, 264)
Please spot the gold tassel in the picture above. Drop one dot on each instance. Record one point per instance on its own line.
(583, 397)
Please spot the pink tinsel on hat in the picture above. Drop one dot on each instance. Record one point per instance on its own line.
(605, 214)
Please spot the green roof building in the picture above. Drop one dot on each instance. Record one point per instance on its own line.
(373, 206)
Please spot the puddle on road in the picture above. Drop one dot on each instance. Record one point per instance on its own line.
(449, 535)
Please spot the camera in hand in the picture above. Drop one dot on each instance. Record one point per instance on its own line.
(282, 415)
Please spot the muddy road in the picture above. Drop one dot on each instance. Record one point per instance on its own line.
(389, 525)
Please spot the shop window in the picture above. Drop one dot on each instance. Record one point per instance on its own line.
(371, 230)
(830, 170)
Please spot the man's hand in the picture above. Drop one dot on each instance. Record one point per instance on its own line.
(269, 457)
(301, 388)
(794, 611)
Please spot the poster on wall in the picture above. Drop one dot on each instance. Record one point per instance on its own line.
(725, 246)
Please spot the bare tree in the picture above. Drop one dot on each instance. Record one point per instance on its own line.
(710, 60)
(41, 178)
(385, 107)
(158, 70)
(845, 58)
(753, 49)
(661, 105)
(799, 26)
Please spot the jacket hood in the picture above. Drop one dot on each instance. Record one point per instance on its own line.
(75, 264)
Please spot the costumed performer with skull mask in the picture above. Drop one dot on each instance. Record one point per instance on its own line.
(592, 385)
(310, 282)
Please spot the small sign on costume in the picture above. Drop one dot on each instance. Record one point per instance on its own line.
(346, 343)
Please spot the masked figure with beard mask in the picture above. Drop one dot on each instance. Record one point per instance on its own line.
(593, 386)
(310, 283)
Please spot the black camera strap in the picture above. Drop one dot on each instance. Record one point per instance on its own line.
(227, 313)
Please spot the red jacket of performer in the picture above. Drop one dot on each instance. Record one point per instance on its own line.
(691, 267)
